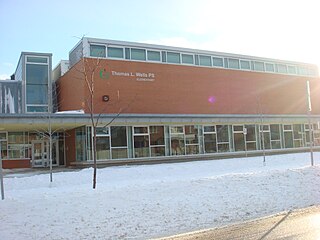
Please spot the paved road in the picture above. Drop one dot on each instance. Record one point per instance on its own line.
(300, 224)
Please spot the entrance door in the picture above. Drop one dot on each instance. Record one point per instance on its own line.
(40, 153)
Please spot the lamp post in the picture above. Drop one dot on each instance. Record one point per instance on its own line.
(309, 122)
(1, 176)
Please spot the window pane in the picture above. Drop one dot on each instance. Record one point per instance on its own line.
(102, 131)
(141, 146)
(210, 143)
(127, 53)
(218, 62)
(251, 146)
(288, 139)
(238, 128)
(4, 152)
(173, 57)
(3, 136)
(292, 70)
(251, 133)
(118, 153)
(239, 143)
(222, 133)
(97, 51)
(275, 131)
(103, 148)
(245, 64)
(205, 60)
(16, 137)
(37, 109)
(258, 66)
(234, 63)
(176, 129)
(157, 151)
(115, 52)
(138, 54)
(276, 144)
(209, 128)
(153, 56)
(80, 144)
(186, 58)
(177, 144)
(37, 59)
(269, 67)
(281, 68)
(118, 136)
(156, 135)
(191, 133)
(223, 147)
(140, 130)
(36, 74)
(192, 149)
(37, 94)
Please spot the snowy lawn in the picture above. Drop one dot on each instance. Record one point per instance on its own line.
(141, 202)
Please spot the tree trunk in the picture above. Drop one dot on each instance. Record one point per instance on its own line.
(94, 157)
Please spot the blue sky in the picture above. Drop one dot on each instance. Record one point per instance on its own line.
(283, 29)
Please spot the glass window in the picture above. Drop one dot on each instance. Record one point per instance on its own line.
(153, 56)
(191, 133)
(156, 135)
(205, 60)
(238, 128)
(115, 52)
(234, 63)
(244, 64)
(37, 109)
(37, 59)
(196, 59)
(187, 58)
(119, 136)
(127, 53)
(210, 143)
(97, 51)
(281, 68)
(177, 144)
(176, 129)
(157, 141)
(292, 70)
(103, 148)
(217, 62)
(269, 67)
(37, 94)
(138, 54)
(140, 130)
(209, 129)
(36, 74)
(102, 131)
(275, 131)
(258, 66)
(4, 151)
(164, 56)
(3, 136)
(173, 57)
(222, 133)
(141, 146)
(303, 70)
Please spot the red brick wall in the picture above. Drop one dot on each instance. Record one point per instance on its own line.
(178, 89)
(17, 163)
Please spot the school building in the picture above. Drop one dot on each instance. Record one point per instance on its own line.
(154, 103)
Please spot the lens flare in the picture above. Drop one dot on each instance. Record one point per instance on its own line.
(211, 99)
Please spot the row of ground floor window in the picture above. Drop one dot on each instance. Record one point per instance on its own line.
(121, 142)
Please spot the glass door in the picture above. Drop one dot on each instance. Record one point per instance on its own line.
(40, 153)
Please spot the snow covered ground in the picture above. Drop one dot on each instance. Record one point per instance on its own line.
(141, 202)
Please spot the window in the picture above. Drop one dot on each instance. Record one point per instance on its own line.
(119, 142)
(3, 143)
(127, 53)
(258, 66)
(173, 57)
(177, 142)
(217, 62)
(205, 60)
(97, 51)
(115, 52)
(80, 144)
(297, 135)
(281, 68)
(288, 136)
(37, 94)
(36, 74)
(37, 59)
(275, 136)
(250, 137)
(223, 138)
(270, 67)
(187, 58)
(138, 54)
(234, 63)
(210, 139)
(16, 145)
(103, 143)
(157, 141)
(153, 56)
(244, 64)
(239, 138)
(141, 141)
(37, 109)
(265, 142)
(292, 70)
(192, 139)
